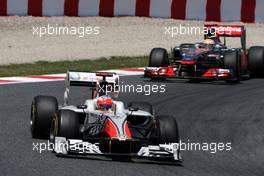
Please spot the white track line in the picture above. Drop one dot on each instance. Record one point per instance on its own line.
(60, 77)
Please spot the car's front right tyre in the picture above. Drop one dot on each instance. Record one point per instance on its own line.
(43, 109)
(65, 124)
(158, 58)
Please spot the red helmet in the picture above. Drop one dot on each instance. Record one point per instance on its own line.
(104, 103)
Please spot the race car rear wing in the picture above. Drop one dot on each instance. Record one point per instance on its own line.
(89, 79)
(217, 31)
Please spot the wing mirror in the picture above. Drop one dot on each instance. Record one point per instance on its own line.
(82, 107)
(133, 109)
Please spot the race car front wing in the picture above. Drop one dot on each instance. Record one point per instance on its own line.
(172, 72)
(162, 153)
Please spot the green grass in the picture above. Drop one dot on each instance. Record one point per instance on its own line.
(44, 67)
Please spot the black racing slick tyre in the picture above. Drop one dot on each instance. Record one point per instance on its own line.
(43, 109)
(232, 61)
(144, 106)
(256, 60)
(65, 124)
(167, 130)
(158, 58)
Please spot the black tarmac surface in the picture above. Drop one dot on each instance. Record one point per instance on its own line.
(206, 113)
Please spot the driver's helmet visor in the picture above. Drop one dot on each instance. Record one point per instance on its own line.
(104, 106)
(211, 33)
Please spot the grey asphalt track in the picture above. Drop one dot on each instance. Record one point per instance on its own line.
(207, 112)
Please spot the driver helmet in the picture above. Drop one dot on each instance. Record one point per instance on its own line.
(209, 41)
(104, 103)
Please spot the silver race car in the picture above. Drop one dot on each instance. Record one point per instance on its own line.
(102, 127)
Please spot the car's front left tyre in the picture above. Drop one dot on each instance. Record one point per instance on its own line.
(232, 61)
(167, 130)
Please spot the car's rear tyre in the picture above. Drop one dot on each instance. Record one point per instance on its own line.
(141, 105)
(232, 61)
(256, 60)
(167, 130)
(65, 124)
(43, 109)
(158, 58)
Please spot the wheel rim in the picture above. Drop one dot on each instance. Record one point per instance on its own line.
(32, 117)
(52, 135)
(53, 129)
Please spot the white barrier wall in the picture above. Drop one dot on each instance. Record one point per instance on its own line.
(209, 10)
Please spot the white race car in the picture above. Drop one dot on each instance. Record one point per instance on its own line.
(102, 127)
